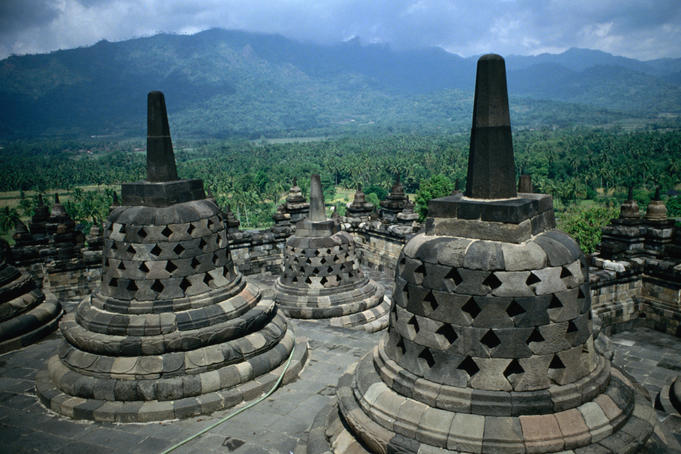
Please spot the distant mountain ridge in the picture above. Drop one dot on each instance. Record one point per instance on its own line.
(232, 83)
(578, 59)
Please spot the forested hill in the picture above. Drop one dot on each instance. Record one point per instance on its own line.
(221, 83)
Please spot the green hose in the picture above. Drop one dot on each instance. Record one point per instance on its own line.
(242, 409)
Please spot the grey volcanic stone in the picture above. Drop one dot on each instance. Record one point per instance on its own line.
(25, 314)
(484, 255)
(160, 156)
(321, 276)
(172, 316)
(489, 322)
(491, 166)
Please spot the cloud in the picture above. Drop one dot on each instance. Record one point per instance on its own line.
(634, 28)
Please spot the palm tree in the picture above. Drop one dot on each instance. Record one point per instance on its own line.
(8, 218)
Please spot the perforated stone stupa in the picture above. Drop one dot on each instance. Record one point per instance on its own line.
(25, 315)
(490, 347)
(174, 330)
(321, 277)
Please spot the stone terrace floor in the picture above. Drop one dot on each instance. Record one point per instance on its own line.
(273, 426)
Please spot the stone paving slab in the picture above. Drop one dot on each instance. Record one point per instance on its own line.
(273, 426)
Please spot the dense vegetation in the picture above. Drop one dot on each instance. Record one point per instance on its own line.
(587, 124)
(572, 165)
(226, 84)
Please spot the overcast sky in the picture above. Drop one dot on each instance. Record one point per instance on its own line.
(643, 29)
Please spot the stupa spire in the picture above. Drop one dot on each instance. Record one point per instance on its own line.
(316, 199)
(160, 157)
(491, 166)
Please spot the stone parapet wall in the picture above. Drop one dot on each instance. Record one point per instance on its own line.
(72, 284)
(637, 292)
(259, 251)
(615, 297)
(379, 244)
(66, 281)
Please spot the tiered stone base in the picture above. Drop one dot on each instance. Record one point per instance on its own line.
(351, 306)
(252, 383)
(26, 316)
(371, 414)
(669, 398)
(213, 351)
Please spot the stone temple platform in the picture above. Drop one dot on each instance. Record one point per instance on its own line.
(275, 425)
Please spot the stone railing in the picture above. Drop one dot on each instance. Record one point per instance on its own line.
(640, 291)
(259, 251)
(379, 243)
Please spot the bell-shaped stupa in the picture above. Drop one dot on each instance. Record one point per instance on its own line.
(490, 346)
(322, 278)
(174, 329)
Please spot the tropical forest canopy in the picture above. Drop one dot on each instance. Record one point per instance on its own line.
(250, 112)
(225, 84)
(252, 176)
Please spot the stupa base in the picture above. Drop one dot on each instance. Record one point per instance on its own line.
(668, 400)
(379, 420)
(29, 327)
(157, 410)
(364, 307)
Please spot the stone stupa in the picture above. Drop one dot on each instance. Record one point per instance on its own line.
(490, 346)
(295, 204)
(322, 278)
(623, 235)
(657, 228)
(174, 329)
(394, 202)
(52, 239)
(25, 314)
(359, 208)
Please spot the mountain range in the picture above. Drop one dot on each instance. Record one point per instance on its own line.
(223, 83)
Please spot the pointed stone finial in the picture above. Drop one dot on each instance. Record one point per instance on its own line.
(115, 201)
(160, 157)
(491, 166)
(56, 198)
(316, 199)
(295, 181)
(630, 193)
(657, 194)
